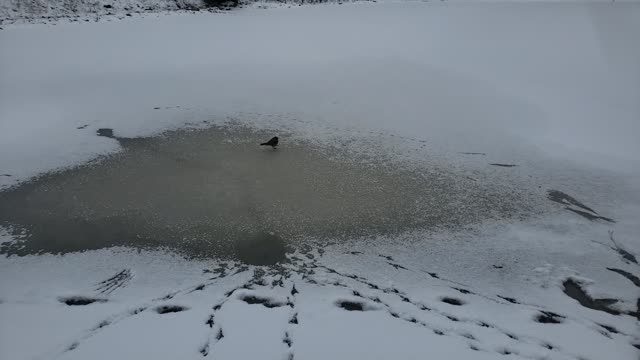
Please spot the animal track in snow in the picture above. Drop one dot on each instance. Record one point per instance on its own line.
(397, 266)
(80, 300)
(287, 340)
(166, 309)
(509, 299)
(265, 301)
(351, 305)
(120, 279)
(452, 301)
(548, 317)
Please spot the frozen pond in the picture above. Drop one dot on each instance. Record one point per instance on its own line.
(453, 179)
(203, 192)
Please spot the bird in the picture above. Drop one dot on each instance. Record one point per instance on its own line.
(273, 142)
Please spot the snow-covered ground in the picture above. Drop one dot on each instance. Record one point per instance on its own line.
(550, 87)
(52, 10)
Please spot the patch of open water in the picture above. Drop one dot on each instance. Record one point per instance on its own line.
(216, 193)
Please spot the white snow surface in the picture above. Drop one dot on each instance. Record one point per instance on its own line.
(29, 10)
(480, 75)
(553, 87)
(12, 11)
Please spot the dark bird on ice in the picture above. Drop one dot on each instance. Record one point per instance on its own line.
(273, 142)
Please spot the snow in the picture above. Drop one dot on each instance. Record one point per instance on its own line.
(411, 321)
(550, 87)
(12, 10)
(425, 65)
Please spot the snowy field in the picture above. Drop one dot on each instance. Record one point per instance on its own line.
(454, 181)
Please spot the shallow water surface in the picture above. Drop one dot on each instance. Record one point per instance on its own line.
(209, 192)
